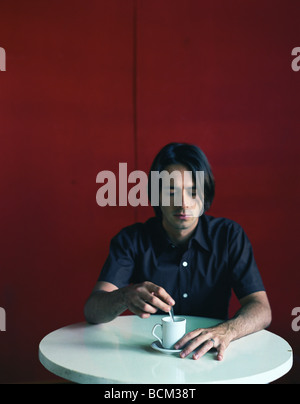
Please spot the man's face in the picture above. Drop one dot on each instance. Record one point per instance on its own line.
(185, 216)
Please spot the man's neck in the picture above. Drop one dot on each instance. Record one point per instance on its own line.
(179, 237)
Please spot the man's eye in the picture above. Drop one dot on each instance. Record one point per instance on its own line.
(169, 192)
(192, 193)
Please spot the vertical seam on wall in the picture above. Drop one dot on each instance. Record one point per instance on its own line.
(134, 93)
(134, 83)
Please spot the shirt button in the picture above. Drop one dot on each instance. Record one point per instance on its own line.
(185, 295)
(185, 264)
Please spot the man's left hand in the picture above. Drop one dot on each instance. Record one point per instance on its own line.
(218, 337)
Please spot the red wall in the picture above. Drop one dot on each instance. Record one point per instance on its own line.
(91, 84)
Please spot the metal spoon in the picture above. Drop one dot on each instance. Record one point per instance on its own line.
(171, 313)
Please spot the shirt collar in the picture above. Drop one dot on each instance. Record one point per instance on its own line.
(198, 238)
(200, 235)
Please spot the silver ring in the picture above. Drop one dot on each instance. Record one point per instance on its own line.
(213, 341)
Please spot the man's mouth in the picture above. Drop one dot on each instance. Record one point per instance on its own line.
(183, 216)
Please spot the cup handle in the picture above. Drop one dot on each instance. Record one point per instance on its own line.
(156, 336)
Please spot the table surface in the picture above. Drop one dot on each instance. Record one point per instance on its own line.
(121, 352)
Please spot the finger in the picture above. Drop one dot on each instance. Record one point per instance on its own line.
(139, 312)
(159, 304)
(148, 302)
(221, 350)
(161, 293)
(144, 306)
(194, 344)
(204, 349)
(148, 294)
(188, 337)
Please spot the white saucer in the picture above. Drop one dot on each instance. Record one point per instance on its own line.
(158, 347)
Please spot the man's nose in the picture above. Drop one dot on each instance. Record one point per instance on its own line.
(187, 201)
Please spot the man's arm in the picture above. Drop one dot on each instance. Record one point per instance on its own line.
(253, 316)
(107, 302)
(104, 304)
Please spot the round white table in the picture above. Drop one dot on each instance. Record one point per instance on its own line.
(121, 352)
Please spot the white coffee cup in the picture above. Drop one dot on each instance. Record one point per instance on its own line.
(172, 331)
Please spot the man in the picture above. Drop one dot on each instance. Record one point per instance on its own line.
(184, 259)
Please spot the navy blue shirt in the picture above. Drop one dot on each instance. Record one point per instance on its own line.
(200, 277)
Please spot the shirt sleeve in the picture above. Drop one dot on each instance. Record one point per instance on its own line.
(245, 275)
(119, 265)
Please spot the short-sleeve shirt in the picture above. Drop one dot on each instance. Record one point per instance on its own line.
(200, 278)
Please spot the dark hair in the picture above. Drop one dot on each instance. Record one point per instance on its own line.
(190, 156)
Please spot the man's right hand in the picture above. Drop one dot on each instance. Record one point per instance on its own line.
(146, 298)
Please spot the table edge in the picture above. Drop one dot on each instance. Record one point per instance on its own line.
(83, 378)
